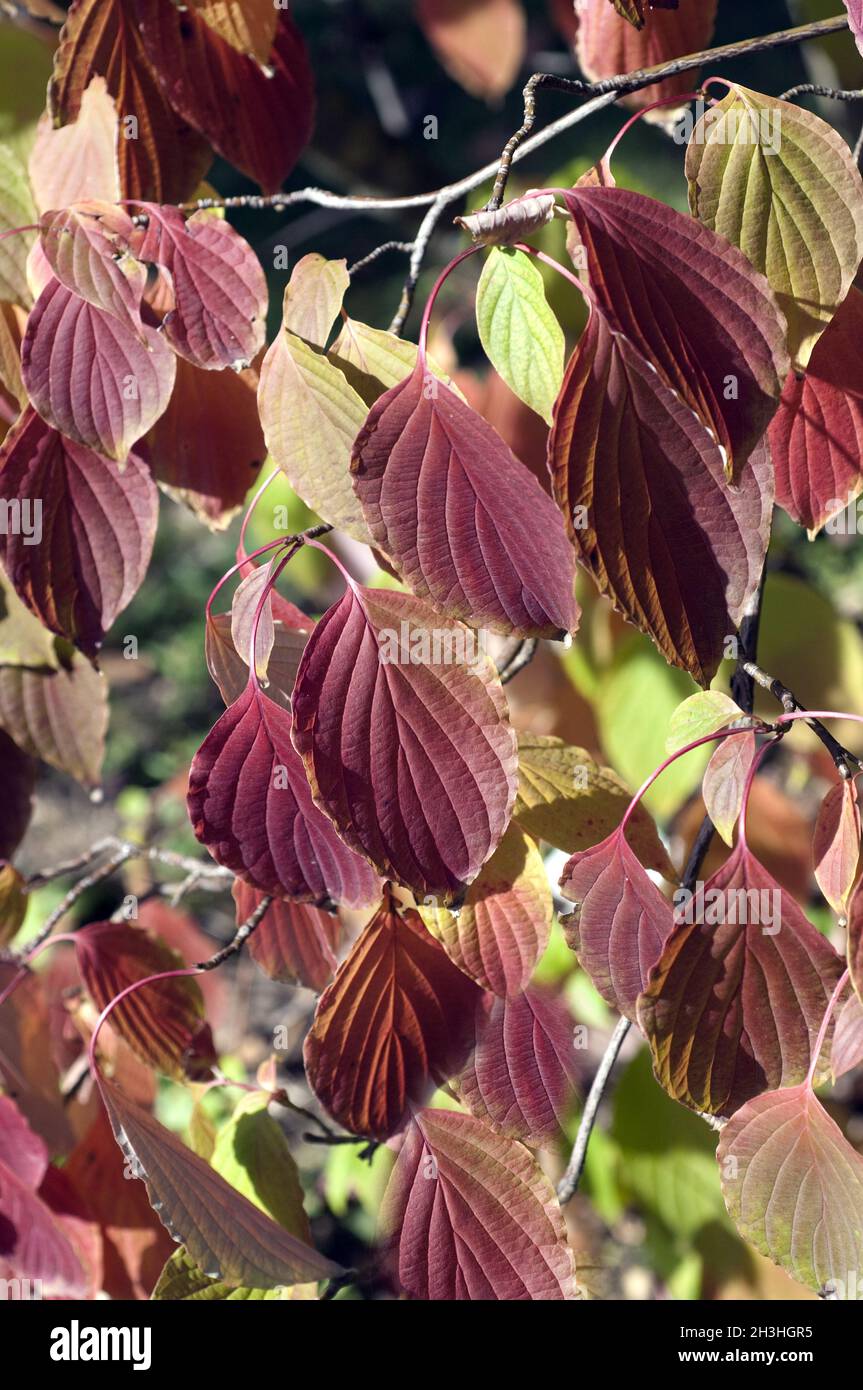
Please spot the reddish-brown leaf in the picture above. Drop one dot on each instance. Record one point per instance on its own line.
(397, 1019)
(724, 782)
(692, 306)
(641, 485)
(296, 943)
(847, 1050)
(454, 510)
(408, 748)
(87, 247)
(97, 525)
(469, 1214)
(250, 804)
(207, 448)
(522, 1077)
(816, 436)
(91, 376)
(855, 942)
(836, 844)
(219, 289)
(168, 159)
(224, 1233)
(621, 920)
(163, 1023)
(258, 119)
(734, 1006)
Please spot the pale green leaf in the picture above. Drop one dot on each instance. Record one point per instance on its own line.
(17, 209)
(520, 335)
(701, 714)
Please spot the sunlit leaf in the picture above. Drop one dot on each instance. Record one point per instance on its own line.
(58, 716)
(724, 782)
(79, 161)
(836, 844)
(481, 46)
(295, 943)
(519, 332)
(17, 209)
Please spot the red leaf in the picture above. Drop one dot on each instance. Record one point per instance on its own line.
(608, 44)
(97, 530)
(223, 1232)
(168, 159)
(469, 1214)
(87, 247)
(855, 943)
(250, 804)
(836, 844)
(33, 1245)
(295, 943)
(816, 436)
(163, 1023)
(207, 448)
(219, 288)
(621, 921)
(619, 432)
(397, 1019)
(733, 1007)
(414, 760)
(724, 782)
(92, 376)
(259, 119)
(692, 305)
(522, 1077)
(457, 513)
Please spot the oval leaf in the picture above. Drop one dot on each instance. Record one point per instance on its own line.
(424, 784)
(397, 1019)
(518, 330)
(836, 844)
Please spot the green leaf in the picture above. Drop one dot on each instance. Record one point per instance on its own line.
(314, 297)
(700, 715)
(181, 1281)
(373, 359)
(567, 799)
(311, 416)
(782, 185)
(251, 1153)
(520, 335)
(17, 209)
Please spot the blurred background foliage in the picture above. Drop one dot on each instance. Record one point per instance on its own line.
(650, 1221)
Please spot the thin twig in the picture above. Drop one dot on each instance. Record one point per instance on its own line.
(404, 246)
(517, 660)
(241, 936)
(568, 1184)
(845, 760)
(815, 89)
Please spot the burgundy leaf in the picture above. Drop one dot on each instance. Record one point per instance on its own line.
(522, 1077)
(458, 514)
(621, 921)
(164, 1022)
(469, 1214)
(220, 291)
(33, 1246)
(397, 1019)
(250, 804)
(408, 749)
(225, 1234)
(97, 523)
(295, 943)
(620, 433)
(734, 1006)
(816, 436)
(92, 376)
(836, 843)
(258, 118)
(692, 305)
(855, 942)
(87, 247)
